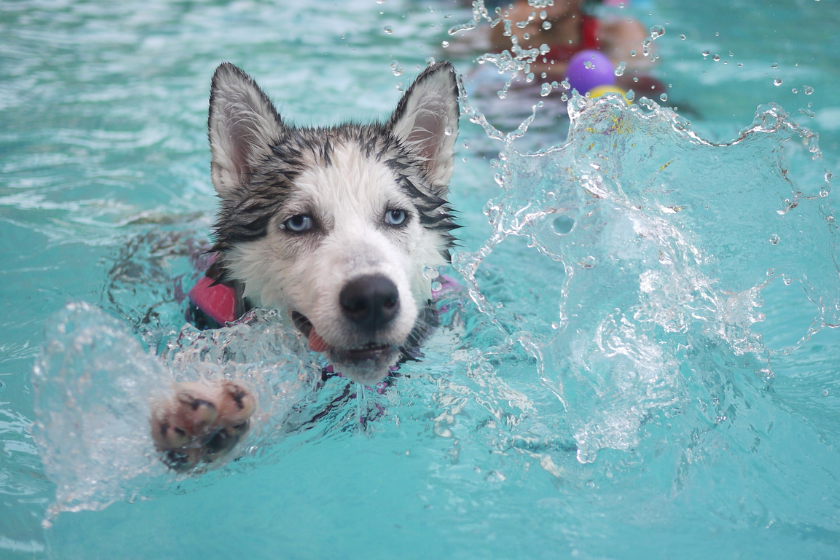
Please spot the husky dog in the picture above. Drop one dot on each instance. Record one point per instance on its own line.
(333, 225)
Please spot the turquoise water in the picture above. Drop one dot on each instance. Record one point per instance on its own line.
(641, 364)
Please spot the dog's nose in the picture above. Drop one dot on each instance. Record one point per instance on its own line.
(370, 301)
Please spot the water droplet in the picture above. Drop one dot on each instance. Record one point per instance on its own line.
(562, 225)
(682, 37)
(565, 85)
(716, 58)
(657, 31)
(587, 262)
(445, 44)
(825, 392)
(466, 145)
(588, 65)
(774, 239)
(387, 29)
(447, 131)
(777, 81)
(794, 90)
(396, 68)
(2, 386)
(808, 90)
(630, 95)
(663, 97)
(648, 104)
(740, 64)
(543, 75)
(774, 65)
(546, 25)
(619, 70)
(430, 61)
(632, 52)
(545, 89)
(543, 14)
(705, 54)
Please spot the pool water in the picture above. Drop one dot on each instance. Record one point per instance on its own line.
(641, 362)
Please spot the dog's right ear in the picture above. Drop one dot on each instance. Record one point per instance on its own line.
(242, 126)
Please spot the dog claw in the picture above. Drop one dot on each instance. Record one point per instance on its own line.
(201, 422)
(238, 405)
(197, 410)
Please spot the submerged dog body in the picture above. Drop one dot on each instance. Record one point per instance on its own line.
(337, 225)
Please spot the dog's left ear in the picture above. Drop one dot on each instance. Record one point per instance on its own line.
(426, 122)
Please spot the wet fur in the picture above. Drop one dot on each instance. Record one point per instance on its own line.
(345, 178)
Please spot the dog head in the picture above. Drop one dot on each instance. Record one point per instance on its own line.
(336, 225)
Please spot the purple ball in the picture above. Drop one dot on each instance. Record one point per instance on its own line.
(588, 69)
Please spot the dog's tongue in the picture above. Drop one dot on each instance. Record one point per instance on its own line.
(316, 343)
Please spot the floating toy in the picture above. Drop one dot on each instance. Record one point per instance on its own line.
(589, 69)
(598, 91)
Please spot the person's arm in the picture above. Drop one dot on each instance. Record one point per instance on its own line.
(619, 37)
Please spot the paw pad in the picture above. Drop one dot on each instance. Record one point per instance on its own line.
(201, 422)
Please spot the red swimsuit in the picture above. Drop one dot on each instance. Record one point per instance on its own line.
(588, 40)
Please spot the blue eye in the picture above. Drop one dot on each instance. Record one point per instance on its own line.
(298, 224)
(395, 217)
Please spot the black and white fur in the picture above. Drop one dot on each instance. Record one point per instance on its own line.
(335, 226)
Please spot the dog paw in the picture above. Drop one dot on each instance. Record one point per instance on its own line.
(201, 422)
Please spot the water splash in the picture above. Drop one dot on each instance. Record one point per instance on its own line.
(94, 385)
(655, 254)
(628, 325)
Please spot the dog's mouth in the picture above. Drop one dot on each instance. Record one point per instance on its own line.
(302, 323)
(366, 352)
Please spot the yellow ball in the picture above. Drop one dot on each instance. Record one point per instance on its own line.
(598, 91)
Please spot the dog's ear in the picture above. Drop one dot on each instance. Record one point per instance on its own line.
(242, 126)
(426, 122)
